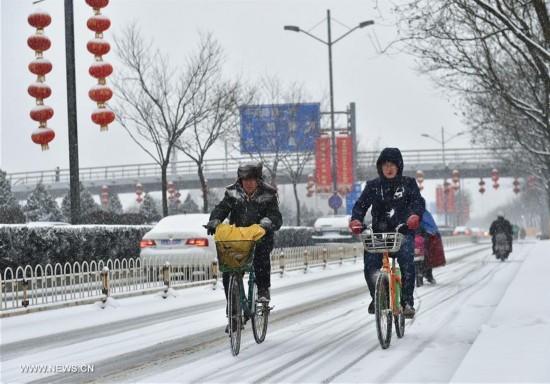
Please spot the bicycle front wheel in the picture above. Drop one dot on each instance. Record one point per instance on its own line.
(260, 318)
(234, 312)
(382, 310)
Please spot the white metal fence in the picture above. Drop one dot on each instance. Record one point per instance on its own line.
(27, 289)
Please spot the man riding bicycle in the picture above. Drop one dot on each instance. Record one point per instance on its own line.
(395, 199)
(251, 201)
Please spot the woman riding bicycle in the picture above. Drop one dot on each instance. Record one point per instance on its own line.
(251, 201)
(395, 199)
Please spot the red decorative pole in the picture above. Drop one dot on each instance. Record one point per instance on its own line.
(100, 69)
(39, 42)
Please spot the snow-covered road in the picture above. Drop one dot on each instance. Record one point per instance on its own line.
(319, 331)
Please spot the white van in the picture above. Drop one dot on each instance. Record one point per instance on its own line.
(333, 229)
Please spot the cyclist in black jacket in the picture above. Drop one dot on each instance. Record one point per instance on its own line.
(251, 201)
(394, 199)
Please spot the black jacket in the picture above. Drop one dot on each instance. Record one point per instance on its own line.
(392, 200)
(244, 211)
(501, 225)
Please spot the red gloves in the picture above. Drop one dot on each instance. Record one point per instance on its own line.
(356, 226)
(413, 222)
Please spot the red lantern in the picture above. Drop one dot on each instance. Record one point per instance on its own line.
(103, 117)
(496, 185)
(97, 4)
(41, 113)
(40, 67)
(39, 19)
(98, 47)
(139, 199)
(98, 23)
(494, 175)
(482, 190)
(42, 136)
(101, 69)
(39, 42)
(100, 93)
(39, 90)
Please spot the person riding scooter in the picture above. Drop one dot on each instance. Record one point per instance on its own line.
(501, 225)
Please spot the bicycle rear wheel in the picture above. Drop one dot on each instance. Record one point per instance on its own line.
(382, 310)
(261, 316)
(234, 311)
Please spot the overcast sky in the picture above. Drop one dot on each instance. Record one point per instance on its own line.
(394, 104)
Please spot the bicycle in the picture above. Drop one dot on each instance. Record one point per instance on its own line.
(236, 257)
(387, 297)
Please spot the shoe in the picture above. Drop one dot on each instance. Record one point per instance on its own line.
(431, 280)
(409, 311)
(371, 307)
(263, 295)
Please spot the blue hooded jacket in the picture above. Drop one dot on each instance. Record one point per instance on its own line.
(392, 200)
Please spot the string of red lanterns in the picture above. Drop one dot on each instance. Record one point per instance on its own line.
(40, 66)
(420, 179)
(139, 192)
(310, 185)
(105, 195)
(100, 69)
(456, 180)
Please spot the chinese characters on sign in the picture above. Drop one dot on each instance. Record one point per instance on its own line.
(323, 165)
(344, 163)
(275, 128)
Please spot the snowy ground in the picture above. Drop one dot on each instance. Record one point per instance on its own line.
(485, 321)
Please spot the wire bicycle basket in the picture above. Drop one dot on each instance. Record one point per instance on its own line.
(235, 255)
(381, 242)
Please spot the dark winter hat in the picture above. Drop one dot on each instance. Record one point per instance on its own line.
(249, 171)
(393, 155)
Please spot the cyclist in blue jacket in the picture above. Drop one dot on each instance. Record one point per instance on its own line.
(394, 199)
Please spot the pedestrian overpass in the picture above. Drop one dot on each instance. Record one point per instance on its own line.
(470, 162)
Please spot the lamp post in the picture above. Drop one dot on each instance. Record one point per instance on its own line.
(442, 142)
(329, 43)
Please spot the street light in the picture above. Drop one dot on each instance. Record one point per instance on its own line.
(330, 43)
(442, 142)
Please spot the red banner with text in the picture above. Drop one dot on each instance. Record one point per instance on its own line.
(344, 162)
(323, 165)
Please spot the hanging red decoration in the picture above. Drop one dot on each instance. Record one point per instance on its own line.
(105, 195)
(39, 19)
(310, 185)
(420, 179)
(100, 93)
(103, 117)
(40, 67)
(516, 186)
(100, 69)
(139, 191)
(481, 184)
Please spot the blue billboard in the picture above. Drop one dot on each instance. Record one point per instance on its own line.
(272, 128)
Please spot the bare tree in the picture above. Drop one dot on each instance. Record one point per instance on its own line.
(495, 54)
(220, 122)
(157, 102)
